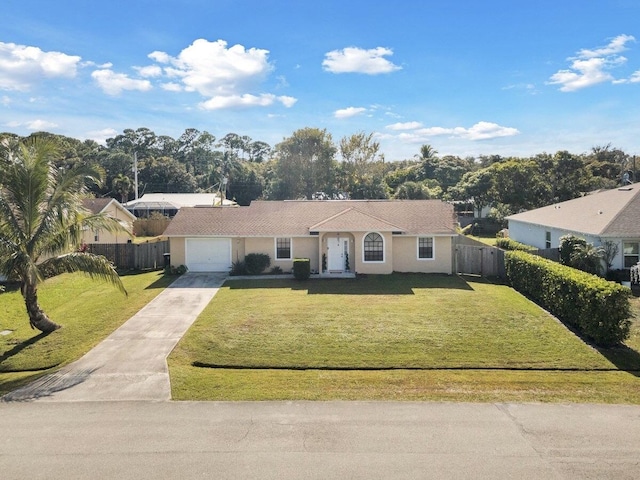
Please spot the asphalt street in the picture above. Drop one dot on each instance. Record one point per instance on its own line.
(317, 440)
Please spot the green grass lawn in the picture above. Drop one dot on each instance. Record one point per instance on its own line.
(489, 239)
(88, 311)
(405, 337)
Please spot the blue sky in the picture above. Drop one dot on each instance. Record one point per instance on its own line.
(468, 77)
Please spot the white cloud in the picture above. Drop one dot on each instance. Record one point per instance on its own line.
(635, 78)
(160, 57)
(358, 60)
(479, 131)
(5, 101)
(212, 69)
(287, 101)
(487, 130)
(40, 125)
(282, 81)
(35, 125)
(149, 71)
(404, 126)
(225, 75)
(349, 112)
(530, 88)
(246, 100)
(89, 63)
(101, 136)
(171, 87)
(22, 66)
(617, 45)
(114, 83)
(592, 67)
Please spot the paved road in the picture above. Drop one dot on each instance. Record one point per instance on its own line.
(130, 364)
(68, 426)
(317, 440)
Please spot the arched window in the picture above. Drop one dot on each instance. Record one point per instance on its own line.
(373, 248)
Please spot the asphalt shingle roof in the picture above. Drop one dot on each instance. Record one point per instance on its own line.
(96, 205)
(609, 213)
(299, 218)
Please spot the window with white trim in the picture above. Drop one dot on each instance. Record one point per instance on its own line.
(425, 248)
(373, 248)
(283, 248)
(631, 253)
(547, 239)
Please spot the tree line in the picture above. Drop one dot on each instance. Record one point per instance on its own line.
(310, 164)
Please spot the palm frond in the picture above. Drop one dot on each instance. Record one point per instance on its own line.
(96, 267)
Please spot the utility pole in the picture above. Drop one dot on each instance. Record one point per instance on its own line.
(135, 172)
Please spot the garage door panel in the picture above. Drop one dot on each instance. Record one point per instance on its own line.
(208, 254)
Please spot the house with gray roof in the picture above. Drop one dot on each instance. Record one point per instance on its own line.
(609, 215)
(363, 236)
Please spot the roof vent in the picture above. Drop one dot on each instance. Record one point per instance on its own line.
(599, 212)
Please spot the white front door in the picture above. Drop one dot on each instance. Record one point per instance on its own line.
(337, 249)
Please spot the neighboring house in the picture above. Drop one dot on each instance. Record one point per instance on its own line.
(115, 209)
(376, 236)
(168, 204)
(609, 215)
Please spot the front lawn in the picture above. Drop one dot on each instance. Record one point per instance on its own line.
(387, 337)
(88, 311)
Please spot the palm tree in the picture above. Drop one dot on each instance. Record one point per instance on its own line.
(427, 152)
(42, 219)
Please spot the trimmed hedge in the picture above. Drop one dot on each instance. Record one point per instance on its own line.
(301, 268)
(597, 308)
(508, 244)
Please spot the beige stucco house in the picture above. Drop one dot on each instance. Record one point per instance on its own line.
(362, 236)
(113, 208)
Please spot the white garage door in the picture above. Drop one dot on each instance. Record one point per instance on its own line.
(208, 254)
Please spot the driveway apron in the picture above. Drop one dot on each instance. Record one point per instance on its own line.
(130, 364)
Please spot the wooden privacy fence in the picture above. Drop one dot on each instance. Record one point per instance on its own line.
(131, 256)
(483, 260)
(476, 258)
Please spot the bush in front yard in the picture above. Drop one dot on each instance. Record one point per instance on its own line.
(301, 268)
(238, 268)
(597, 308)
(256, 263)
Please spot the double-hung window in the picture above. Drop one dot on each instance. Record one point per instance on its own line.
(425, 248)
(283, 248)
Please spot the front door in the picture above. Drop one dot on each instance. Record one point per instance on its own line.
(337, 249)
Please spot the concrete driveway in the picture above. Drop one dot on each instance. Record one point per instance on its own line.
(130, 364)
